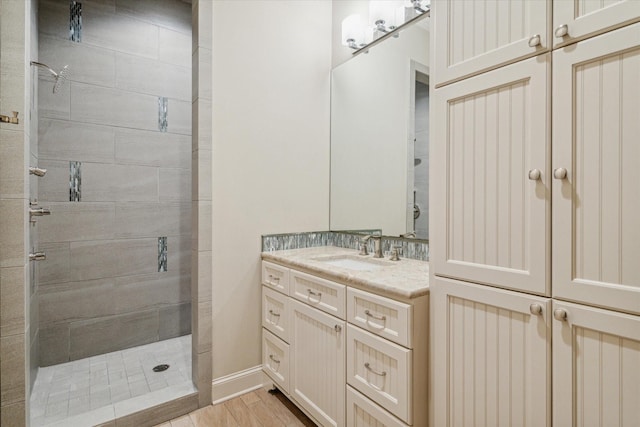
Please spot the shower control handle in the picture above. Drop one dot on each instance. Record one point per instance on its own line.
(37, 171)
(39, 211)
(37, 256)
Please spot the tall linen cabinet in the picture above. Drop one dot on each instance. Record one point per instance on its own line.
(535, 252)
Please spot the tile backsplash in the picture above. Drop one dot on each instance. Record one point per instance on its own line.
(409, 248)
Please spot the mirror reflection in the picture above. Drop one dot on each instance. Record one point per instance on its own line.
(380, 137)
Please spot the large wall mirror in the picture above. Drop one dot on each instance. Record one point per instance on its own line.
(380, 137)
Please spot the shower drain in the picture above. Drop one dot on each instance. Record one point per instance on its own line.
(160, 368)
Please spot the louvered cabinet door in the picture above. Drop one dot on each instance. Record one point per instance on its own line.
(578, 19)
(596, 367)
(489, 156)
(470, 37)
(596, 156)
(490, 356)
(317, 363)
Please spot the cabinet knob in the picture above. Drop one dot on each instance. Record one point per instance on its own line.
(272, 357)
(561, 31)
(337, 328)
(535, 309)
(535, 41)
(560, 314)
(560, 173)
(534, 174)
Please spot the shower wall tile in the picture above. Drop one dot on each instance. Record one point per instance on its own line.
(73, 301)
(13, 183)
(174, 47)
(108, 258)
(55, 269)
(202, 24)
(55, 186)
(98, 336)
(88, 64)
(180, 254)
(13, 225)
(201, 229)
(175, 185)
(152, 149)
(105, 183)
(205, 331)
(63, 140)
(152, 77)
(12, 369)
(119, 32)
(53, 19)
(93, 104)
(203, 62)
(202, 174)
(12, 303)
(53, 105)
(139, 219)
(174, 320)
(78, 221)
(54, 344)
(171, 14)
(179, 117)
(202, 114)
(148, 291)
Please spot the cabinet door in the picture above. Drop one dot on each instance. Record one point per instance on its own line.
(596, 219)
(469, 37)
(492, 131)
(596, 367)
(490, 354)
(317, 363)
(585, 18)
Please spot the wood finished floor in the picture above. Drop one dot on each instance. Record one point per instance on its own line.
(258, 408)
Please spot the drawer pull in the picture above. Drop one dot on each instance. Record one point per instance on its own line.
(273, 313)
(272, 277)
(369, 368)
(315, 294)
(369, 314)
(271, 356)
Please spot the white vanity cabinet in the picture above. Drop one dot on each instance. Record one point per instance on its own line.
(346, 356)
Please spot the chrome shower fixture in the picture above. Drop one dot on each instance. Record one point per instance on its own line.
(37, 171)
(60, 76)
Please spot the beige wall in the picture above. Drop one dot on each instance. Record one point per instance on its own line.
(271, 68)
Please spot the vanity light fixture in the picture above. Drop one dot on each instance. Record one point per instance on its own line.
(353, 32)
(386, 15)
(420, 6)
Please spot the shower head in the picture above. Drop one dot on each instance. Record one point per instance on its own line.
(60, 76)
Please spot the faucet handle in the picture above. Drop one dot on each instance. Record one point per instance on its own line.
(395, 253)
(363, 247)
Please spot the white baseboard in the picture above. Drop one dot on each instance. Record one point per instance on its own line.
(230, 386)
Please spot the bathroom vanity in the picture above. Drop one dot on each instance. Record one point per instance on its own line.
(345, 336)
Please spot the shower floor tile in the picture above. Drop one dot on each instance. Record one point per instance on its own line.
(99, 388)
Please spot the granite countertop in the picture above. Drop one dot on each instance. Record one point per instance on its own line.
(406, 278)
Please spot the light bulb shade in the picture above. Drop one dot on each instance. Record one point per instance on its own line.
(352, 29)
(385, 10)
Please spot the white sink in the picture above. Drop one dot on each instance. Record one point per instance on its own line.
(353, 263)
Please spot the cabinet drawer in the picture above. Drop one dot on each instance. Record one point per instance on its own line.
(362, 412)
(275, 313)
(382, 316)
(381, 370)
(275, 277)
(322, 294)
(275, 359)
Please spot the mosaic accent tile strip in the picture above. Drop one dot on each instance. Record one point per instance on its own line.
(75, 21)
(410, 248)
(163, 109)
(75, 181)
(277, 242)
(162, 254)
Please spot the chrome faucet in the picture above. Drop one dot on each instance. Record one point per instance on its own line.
(377, 245)
(409, 235)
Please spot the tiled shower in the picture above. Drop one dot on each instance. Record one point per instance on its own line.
(116, 143)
